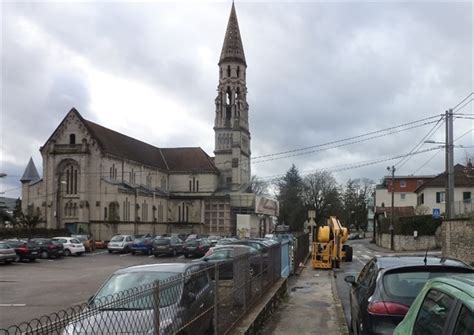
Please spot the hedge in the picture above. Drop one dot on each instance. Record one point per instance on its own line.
(6, 233)
(426, 225)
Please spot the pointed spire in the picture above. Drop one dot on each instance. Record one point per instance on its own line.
(30, 174)
(232, 49)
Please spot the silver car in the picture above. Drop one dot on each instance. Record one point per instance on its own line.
(120, 243)
(127, 302)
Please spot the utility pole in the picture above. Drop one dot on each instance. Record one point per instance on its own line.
(449, 146)
(391, 228)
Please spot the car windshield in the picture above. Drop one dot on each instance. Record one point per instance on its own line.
(192, 243)
(404, 285)
(117, 239)
(73, 240)
(137, 299)
(162, 241)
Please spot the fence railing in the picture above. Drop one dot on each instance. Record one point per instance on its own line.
(464, 208)
(209, 299)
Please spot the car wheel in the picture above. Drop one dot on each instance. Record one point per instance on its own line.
(126, 250)
(67, 252)
(156, 255)
(17, 259)
(133, 252)
(110, 251)
(44, 254)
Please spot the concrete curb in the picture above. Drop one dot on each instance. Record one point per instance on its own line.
(340, 312)
(254, 319)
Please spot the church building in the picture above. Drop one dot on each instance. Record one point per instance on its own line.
(100, 181)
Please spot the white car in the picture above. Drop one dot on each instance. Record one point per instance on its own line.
(72, 246)
(120, 243)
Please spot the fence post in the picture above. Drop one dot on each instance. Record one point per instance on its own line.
(156, 307)
(216, 299)
(261, 275)
(246, 277)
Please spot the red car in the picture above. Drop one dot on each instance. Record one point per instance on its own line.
(25, 249)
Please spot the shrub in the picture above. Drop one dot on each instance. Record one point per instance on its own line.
(426, 225)
(6, 233)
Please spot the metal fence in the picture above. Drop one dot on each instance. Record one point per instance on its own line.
(300, 250)
(210, 300)
(464, 208)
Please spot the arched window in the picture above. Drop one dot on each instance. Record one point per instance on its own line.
(71, 174)
(228, 70)
(238, 71)
(72, 139)
(228, 96)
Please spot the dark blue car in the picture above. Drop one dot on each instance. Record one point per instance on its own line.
(143, 245)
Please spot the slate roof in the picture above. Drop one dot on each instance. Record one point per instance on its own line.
(463, 177)
(31, 173)
(170, 159)
(232, 48)
(121, 145)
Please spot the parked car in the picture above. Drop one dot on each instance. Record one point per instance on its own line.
(354, 236)
(142, 245)
(194, 237)
(260, 245)
(227, 240)
(213, 239)
(186, 304)
(196, 247)
(72, 246)
(171, 245)
(49, 248)
(25, 249)
(87, 240)
(7, 253)
(100, 244)
(388, 285)
(223, 256)
(444, 306)
(120, 243)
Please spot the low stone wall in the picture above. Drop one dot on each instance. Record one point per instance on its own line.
(458, 239)
(408, 243)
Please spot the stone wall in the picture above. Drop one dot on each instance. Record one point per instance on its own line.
(408, 243)
(458, 239)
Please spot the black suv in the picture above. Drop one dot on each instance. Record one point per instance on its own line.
(49, 248)
(171, 245)
(196, 247)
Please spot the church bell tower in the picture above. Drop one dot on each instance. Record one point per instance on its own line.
(231, 126)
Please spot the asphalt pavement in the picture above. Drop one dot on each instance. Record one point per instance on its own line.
(31, 290)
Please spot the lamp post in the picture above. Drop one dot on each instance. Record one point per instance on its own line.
(391, 228)
(312, 223)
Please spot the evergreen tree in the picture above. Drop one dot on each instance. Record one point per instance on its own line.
(292, 210)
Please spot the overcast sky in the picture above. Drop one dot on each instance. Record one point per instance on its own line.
(317, 72)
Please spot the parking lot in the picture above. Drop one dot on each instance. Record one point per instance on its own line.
(32, 289)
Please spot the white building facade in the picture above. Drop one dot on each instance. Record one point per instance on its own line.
(103, 182)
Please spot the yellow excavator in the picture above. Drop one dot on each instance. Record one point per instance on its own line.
(328, 248)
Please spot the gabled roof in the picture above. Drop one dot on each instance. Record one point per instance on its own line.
(232, 49)
(123, 146)
(31, 173)
(188, 159)
(463, 177)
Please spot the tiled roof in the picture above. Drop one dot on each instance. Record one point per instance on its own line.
(123, 146)
(188, 159)
(463, 177)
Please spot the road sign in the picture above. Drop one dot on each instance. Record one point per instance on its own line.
(436, 213)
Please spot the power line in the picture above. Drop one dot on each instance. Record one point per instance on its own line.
(344, 144)
(399, 164)
(439, 150)
(346, 139)
(467, 97)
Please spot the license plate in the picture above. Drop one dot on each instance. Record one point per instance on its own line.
(192, 248)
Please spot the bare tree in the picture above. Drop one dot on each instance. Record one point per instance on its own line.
(259, 186)
(321, 193)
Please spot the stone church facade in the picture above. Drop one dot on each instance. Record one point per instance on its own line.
(101, 181)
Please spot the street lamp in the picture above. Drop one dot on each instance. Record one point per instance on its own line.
(391, 228)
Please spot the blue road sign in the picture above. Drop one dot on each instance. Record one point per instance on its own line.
(436, 213)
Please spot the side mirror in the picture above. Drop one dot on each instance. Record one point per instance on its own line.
(90, 301)
(350, 280)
